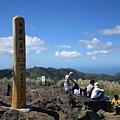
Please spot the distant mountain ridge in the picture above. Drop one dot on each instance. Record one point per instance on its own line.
(59, 74)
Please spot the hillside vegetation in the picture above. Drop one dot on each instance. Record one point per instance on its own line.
(58, 74)
(44, 97)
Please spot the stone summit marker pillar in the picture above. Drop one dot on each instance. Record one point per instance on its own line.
(19, 54)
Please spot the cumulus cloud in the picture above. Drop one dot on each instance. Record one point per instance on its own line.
(92, 53)
(32, 44)
(90, 43)
(95, 47)
(104, 52)
(100, 52)
(109, 44)
(6, 45)
(68, 54)
(63, 46)
(95, 44)
(115, 30)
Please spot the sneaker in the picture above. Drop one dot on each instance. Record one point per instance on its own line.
(101, 110)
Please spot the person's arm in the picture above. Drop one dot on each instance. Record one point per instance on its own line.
(73, 81)
(101, 90)
(118, 102)
(112, 102)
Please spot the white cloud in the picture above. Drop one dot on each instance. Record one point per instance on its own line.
(115, 30)
(32, 44)
(98, 52)
(109, 44)
(96, 48)
(63, 46)
(90, 46)
(96, 44)
(94, 58)
(6, 45)
(92, 53)
(89, 53)
(103, 52)
(68, 54)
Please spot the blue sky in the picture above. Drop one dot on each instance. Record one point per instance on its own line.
(79, 34)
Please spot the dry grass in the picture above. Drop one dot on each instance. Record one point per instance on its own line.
(110, 88)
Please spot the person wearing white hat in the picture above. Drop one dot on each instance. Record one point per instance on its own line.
(97, 93)
(67, 84)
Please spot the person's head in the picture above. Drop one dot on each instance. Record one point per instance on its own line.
(116, 97)
(70, 73)
(92, 82)
(96, 85)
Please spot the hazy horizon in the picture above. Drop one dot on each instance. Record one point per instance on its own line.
(102, 70)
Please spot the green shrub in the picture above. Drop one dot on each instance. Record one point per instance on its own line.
(60, 83)
(110, 88)
(38, 82)
(6, 79)
(49, 82)
(82, 112)
(33, 81)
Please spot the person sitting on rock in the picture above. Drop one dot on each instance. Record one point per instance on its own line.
(90, 87)
(116, 104)
(97, 93)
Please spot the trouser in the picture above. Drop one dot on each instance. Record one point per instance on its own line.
(100, 95)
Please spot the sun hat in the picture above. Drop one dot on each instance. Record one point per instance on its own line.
(96, 84)
(70, 73)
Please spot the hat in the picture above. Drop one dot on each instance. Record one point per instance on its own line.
(70, 73)
(96, 84)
